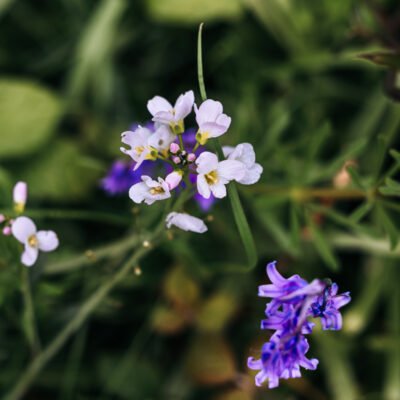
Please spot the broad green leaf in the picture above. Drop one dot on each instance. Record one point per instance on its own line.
(58, 173)
(28, 117)
(167, 320)
(210, 360)
(216, 311)
(194, 11)
(180, 288)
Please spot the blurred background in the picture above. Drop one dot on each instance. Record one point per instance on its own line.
(312, 85)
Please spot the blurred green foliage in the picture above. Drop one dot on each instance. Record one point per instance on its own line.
(324, 123)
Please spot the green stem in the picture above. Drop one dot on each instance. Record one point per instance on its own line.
(181, 142)
(28, 317)
(200, 74)
(92, 256)
(74, 214)
(36, 366)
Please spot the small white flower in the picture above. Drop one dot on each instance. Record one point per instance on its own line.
(163, 111)
(149, 190)
(161, 139)
(138, 141)
(214, 175)
(20, 196)
(24, 230)
(244, 153)
(211, 120)
(185, 222)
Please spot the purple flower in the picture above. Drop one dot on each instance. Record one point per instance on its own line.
(327, 307)
(281, 358)
(121, 176)
(293, 302)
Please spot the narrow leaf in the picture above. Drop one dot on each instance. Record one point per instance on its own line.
(238, 213)
(390, 229)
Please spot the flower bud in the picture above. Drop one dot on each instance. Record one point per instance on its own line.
(173, 179)
(174, 148)
(191, 157)
(7, 230)
(2, 218)
(20, 195)
(176, 160)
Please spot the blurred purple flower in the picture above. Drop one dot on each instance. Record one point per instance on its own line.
(293, 302)
(121, 176)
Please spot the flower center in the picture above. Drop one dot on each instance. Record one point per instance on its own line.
(202, 137)
(33, 241)
(157, 190)
(211, 177)
(139, 150)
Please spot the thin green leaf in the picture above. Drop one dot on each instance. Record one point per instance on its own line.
(237, 209)
(322, 246)
(386, 223)
(355, 177)
(361, 211)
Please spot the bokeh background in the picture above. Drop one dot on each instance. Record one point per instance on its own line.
(312, 84)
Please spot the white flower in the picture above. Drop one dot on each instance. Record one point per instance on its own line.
(213, 175)
(162, 110)
(24, 230)
(138, 141)
(149, 190)
(244, 153)
(185, 222)
(161, 139)
(145, 144)
(211, 120)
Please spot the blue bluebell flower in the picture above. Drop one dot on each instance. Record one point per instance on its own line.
(293, 302)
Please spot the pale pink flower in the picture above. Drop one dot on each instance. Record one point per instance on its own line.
(149, 190)
(24, 230)
(20, 196)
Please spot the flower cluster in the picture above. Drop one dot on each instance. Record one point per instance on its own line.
(24, 229)
(183, 152)
(293, 302)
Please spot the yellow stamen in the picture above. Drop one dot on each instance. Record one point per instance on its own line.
(157, 190)
(33, 241)
(202, 137)
(211, 177)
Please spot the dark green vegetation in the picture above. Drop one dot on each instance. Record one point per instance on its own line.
(75, 74)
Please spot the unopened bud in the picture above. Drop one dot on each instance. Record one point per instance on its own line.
(20, 195)
(7, 230)
(173, 179)
(191, 157)
(176, 160)
(174, 148)
(2, 218)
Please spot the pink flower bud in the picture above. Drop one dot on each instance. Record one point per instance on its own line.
(7, 230)
(2, 218)
(20, 195)
(191, 157)
(174, 148)
(176, 160)
(173, 179)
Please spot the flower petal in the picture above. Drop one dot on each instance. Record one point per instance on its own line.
(138, 192)
(22, 228)
(231, 169)
(158, 104)
(184, 105)
(29, 256)
(48, 240)
(206, 162)
(186, 222)
(202, 187)
(218, 190)
(208, 111)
